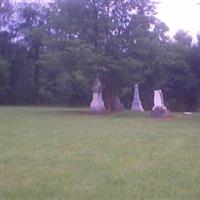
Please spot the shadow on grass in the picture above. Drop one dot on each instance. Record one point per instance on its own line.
(67, 111)
(85, 112)
(130, 114)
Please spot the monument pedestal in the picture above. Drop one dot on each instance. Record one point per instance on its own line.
(97, 104)
(160, 112)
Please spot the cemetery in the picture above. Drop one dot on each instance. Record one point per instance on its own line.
(97, 105)
(98, 101)
(52, 152)
(85, 153)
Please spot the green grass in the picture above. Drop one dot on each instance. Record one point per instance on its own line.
(61, 153)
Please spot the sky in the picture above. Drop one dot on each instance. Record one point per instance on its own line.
(180, 14)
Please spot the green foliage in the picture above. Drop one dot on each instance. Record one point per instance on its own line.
(4, 72)
(52, 54)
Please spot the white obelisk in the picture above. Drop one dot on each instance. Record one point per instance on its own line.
(136, 104)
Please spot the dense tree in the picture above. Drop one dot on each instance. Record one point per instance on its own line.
(53, 53)
(32, 27)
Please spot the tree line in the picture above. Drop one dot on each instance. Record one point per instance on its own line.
(52, 53)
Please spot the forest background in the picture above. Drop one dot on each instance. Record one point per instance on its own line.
(52, 53)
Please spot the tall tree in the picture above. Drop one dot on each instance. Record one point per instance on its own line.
(32, 30)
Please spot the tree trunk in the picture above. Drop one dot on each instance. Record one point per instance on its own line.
(36, 83)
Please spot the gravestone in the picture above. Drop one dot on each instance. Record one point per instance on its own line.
(136, 104)
(117, 105)
(97, 104)
(113, 103)
(159, 109)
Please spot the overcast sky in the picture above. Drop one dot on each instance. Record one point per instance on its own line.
(180, 14)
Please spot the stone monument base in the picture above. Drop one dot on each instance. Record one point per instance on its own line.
(160, 112)
(137, 107)
(97, 111)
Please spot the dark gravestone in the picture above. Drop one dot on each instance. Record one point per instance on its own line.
(118, 106)
(114, 104)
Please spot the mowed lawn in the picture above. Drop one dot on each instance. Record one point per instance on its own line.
(62, 153)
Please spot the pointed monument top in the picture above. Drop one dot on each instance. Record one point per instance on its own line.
(97, 87)
(136, 85)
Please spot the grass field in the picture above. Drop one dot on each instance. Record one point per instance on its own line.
(61, 153)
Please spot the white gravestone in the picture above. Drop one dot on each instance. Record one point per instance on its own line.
(97, 104)
(136, 104)
(158, 100)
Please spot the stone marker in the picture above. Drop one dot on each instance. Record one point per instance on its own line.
(97, 104)
(158, 99)
(118, 106)
(136, 104)
(159, 109)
